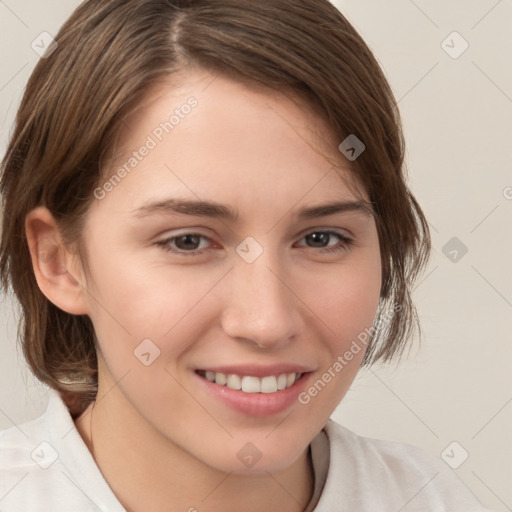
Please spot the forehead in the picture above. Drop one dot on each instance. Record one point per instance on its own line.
(212, 136)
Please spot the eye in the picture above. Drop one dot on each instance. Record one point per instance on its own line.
(189, 243)
(193, 244)
(323, 240)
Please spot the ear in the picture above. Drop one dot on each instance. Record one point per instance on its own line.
(58, 273)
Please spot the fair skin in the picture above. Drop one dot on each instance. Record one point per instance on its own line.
(160, 438)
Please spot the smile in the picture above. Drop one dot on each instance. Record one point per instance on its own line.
(250, 383)
(252, 389)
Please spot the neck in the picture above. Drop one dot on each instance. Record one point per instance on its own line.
(147, 472)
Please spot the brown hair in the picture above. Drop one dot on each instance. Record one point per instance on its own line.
(110, 52)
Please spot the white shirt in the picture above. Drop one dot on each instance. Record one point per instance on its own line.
(46, 466)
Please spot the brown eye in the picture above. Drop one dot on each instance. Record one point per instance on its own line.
(318, 239)
(188, 242)
(323, 240)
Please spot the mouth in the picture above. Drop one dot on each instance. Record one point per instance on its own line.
(251, 383)
(253, 391)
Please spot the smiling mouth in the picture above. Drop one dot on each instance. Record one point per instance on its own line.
(250, 383)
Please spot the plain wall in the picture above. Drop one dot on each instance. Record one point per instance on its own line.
(457, 113)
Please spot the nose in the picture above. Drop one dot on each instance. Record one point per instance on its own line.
(259, 306)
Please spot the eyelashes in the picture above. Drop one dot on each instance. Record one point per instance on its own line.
(166, 244)
(172, 244)
(343, 244)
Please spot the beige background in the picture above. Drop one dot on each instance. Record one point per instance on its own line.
(457, 114)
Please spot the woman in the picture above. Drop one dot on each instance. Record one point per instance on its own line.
(208, 229)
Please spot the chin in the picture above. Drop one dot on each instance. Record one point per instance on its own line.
(260, 456)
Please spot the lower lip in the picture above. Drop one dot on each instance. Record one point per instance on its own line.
(256, 404)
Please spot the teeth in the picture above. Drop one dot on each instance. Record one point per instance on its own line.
(269, 384)
(234, 382)
(220, 378)
(250, 384)
(281, 381)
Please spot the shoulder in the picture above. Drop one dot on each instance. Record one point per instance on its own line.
(33, 475)
(380, 452)
(18, 444)
(390, 475)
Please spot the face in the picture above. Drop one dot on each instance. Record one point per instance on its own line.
(211, 267)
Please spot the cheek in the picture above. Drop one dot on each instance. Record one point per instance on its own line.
(143, 300)
(345, 299)
(344, 303)
(145, 322)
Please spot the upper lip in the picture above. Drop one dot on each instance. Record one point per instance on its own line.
(255, 370)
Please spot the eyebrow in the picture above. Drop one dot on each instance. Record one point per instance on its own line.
(215, 210)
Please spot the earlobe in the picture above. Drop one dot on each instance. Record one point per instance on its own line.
(52, 263)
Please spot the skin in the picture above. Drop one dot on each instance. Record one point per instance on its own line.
(154, 427)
